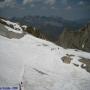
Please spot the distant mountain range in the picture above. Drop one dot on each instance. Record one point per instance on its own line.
(52, 26)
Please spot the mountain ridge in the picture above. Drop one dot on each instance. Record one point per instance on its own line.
(73, 41)
(53, 26)
(76, 39)
(40, 64)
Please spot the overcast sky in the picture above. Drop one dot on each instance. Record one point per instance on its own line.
(68, 9)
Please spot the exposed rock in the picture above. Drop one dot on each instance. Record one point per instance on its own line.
(9, 34)
(75, 64)
(76, 39)
(44, 44)
(66, 59)
(86, 64)
(35, 32)
(83, 65)
(70, 55)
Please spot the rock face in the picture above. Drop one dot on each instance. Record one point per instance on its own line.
(35, 32)
(86, 64)
(76, 39)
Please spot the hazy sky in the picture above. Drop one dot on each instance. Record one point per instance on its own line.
(68, 9)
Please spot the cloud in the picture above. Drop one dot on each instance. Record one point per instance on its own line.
(32, 5)
(64, 2)
(68, 8)
(7, 3)
(30, 1)
(53, 7)
(27, 1)
(49, 2)
(81, 3)
(2, 0)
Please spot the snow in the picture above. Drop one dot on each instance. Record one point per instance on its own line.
(84, 65)
(37, 63)
(10, 29)
(24, 26)
(16, 26)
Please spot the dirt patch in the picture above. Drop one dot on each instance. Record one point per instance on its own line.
(66, 59)
(86, 64)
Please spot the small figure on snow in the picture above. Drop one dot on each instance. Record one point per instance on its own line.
(21, 86)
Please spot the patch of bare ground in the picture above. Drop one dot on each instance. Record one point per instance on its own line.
(66, 59)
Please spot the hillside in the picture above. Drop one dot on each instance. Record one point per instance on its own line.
(79, 39)
(53, 26)
(40, 64)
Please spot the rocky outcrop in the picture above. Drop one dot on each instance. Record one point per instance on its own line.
(85, 64)
(9, 34)
(36, 32)
(76, 39)
(66, 59)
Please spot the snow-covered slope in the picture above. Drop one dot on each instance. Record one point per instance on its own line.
(10, 29)
(9, 25)
(39, 65)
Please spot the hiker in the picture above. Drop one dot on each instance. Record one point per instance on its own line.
(21, 86)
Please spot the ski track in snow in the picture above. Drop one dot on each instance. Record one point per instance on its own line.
(24, 59)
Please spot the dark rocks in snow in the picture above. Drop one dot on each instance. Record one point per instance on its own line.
(66, 59)
(41, 72)
(70, 55)
(75, 64)
(85, 64)
(44, 44)
(9, 34)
